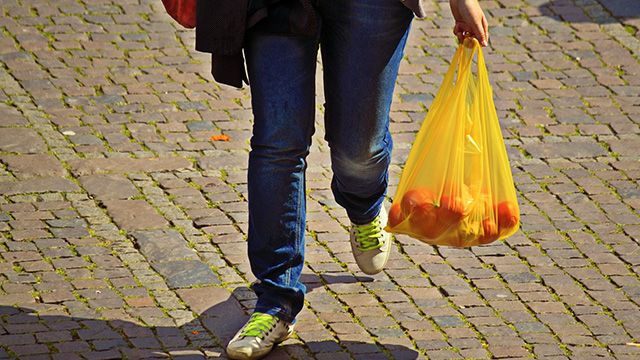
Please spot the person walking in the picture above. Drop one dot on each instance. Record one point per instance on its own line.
(361, 44)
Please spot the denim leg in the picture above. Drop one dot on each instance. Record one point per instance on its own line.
(362, 44)
(281, 71)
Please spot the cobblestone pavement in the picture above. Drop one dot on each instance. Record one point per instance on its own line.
(122, 224)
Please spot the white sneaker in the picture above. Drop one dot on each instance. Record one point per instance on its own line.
(257, 337)
(370, 244)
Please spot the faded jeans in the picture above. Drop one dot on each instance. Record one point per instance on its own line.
(361, 43)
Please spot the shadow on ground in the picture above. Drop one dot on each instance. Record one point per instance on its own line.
(28, 332)
(626, 12)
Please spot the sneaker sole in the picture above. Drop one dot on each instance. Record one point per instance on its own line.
(242, 356)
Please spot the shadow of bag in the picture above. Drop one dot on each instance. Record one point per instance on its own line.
(182, 11)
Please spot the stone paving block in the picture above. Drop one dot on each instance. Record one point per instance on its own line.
(36, 165)
(38, 185)
(66, 233)
(16, 299)
(127, 165)
(21, 140)
(134, 214)
(57, 296)
(567, 150)
(108, 186)
(163, 245)
(625, 147)
(69, 263)
(211, 301)
(186, 273)
(226, 162)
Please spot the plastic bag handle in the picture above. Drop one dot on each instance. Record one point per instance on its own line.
(463, 63)
(483, 75)
(462, 67)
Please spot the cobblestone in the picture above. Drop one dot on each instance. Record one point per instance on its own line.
(123, 226)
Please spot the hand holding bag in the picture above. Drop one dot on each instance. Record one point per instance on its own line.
(182, 11)
(456, 188)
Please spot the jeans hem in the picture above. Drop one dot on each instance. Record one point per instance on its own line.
(277, 312)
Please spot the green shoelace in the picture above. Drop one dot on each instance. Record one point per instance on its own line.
(368, 236)
(259, 325)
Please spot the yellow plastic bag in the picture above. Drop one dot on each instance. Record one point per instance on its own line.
(457, 188)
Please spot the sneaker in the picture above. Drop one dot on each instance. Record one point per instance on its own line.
(370, 244)
(257, 337)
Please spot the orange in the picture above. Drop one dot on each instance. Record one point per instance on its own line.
(424, 221)
(451, 210)
(395, 215)
(419, 206)
(416, 197)
(508, 215)
(489, 231)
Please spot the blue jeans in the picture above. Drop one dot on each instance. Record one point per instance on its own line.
(362, 44)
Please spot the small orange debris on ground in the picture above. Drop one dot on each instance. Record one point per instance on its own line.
(224, 137)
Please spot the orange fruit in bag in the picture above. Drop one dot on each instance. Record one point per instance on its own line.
(416, 197)
(419, 206)
(451, 210)
(489, 231)
(395, 215)
(508, 215)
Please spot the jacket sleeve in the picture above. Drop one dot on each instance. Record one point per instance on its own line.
(220, 30)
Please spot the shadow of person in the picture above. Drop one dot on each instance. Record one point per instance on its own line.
(41, 331)
(624, 10)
